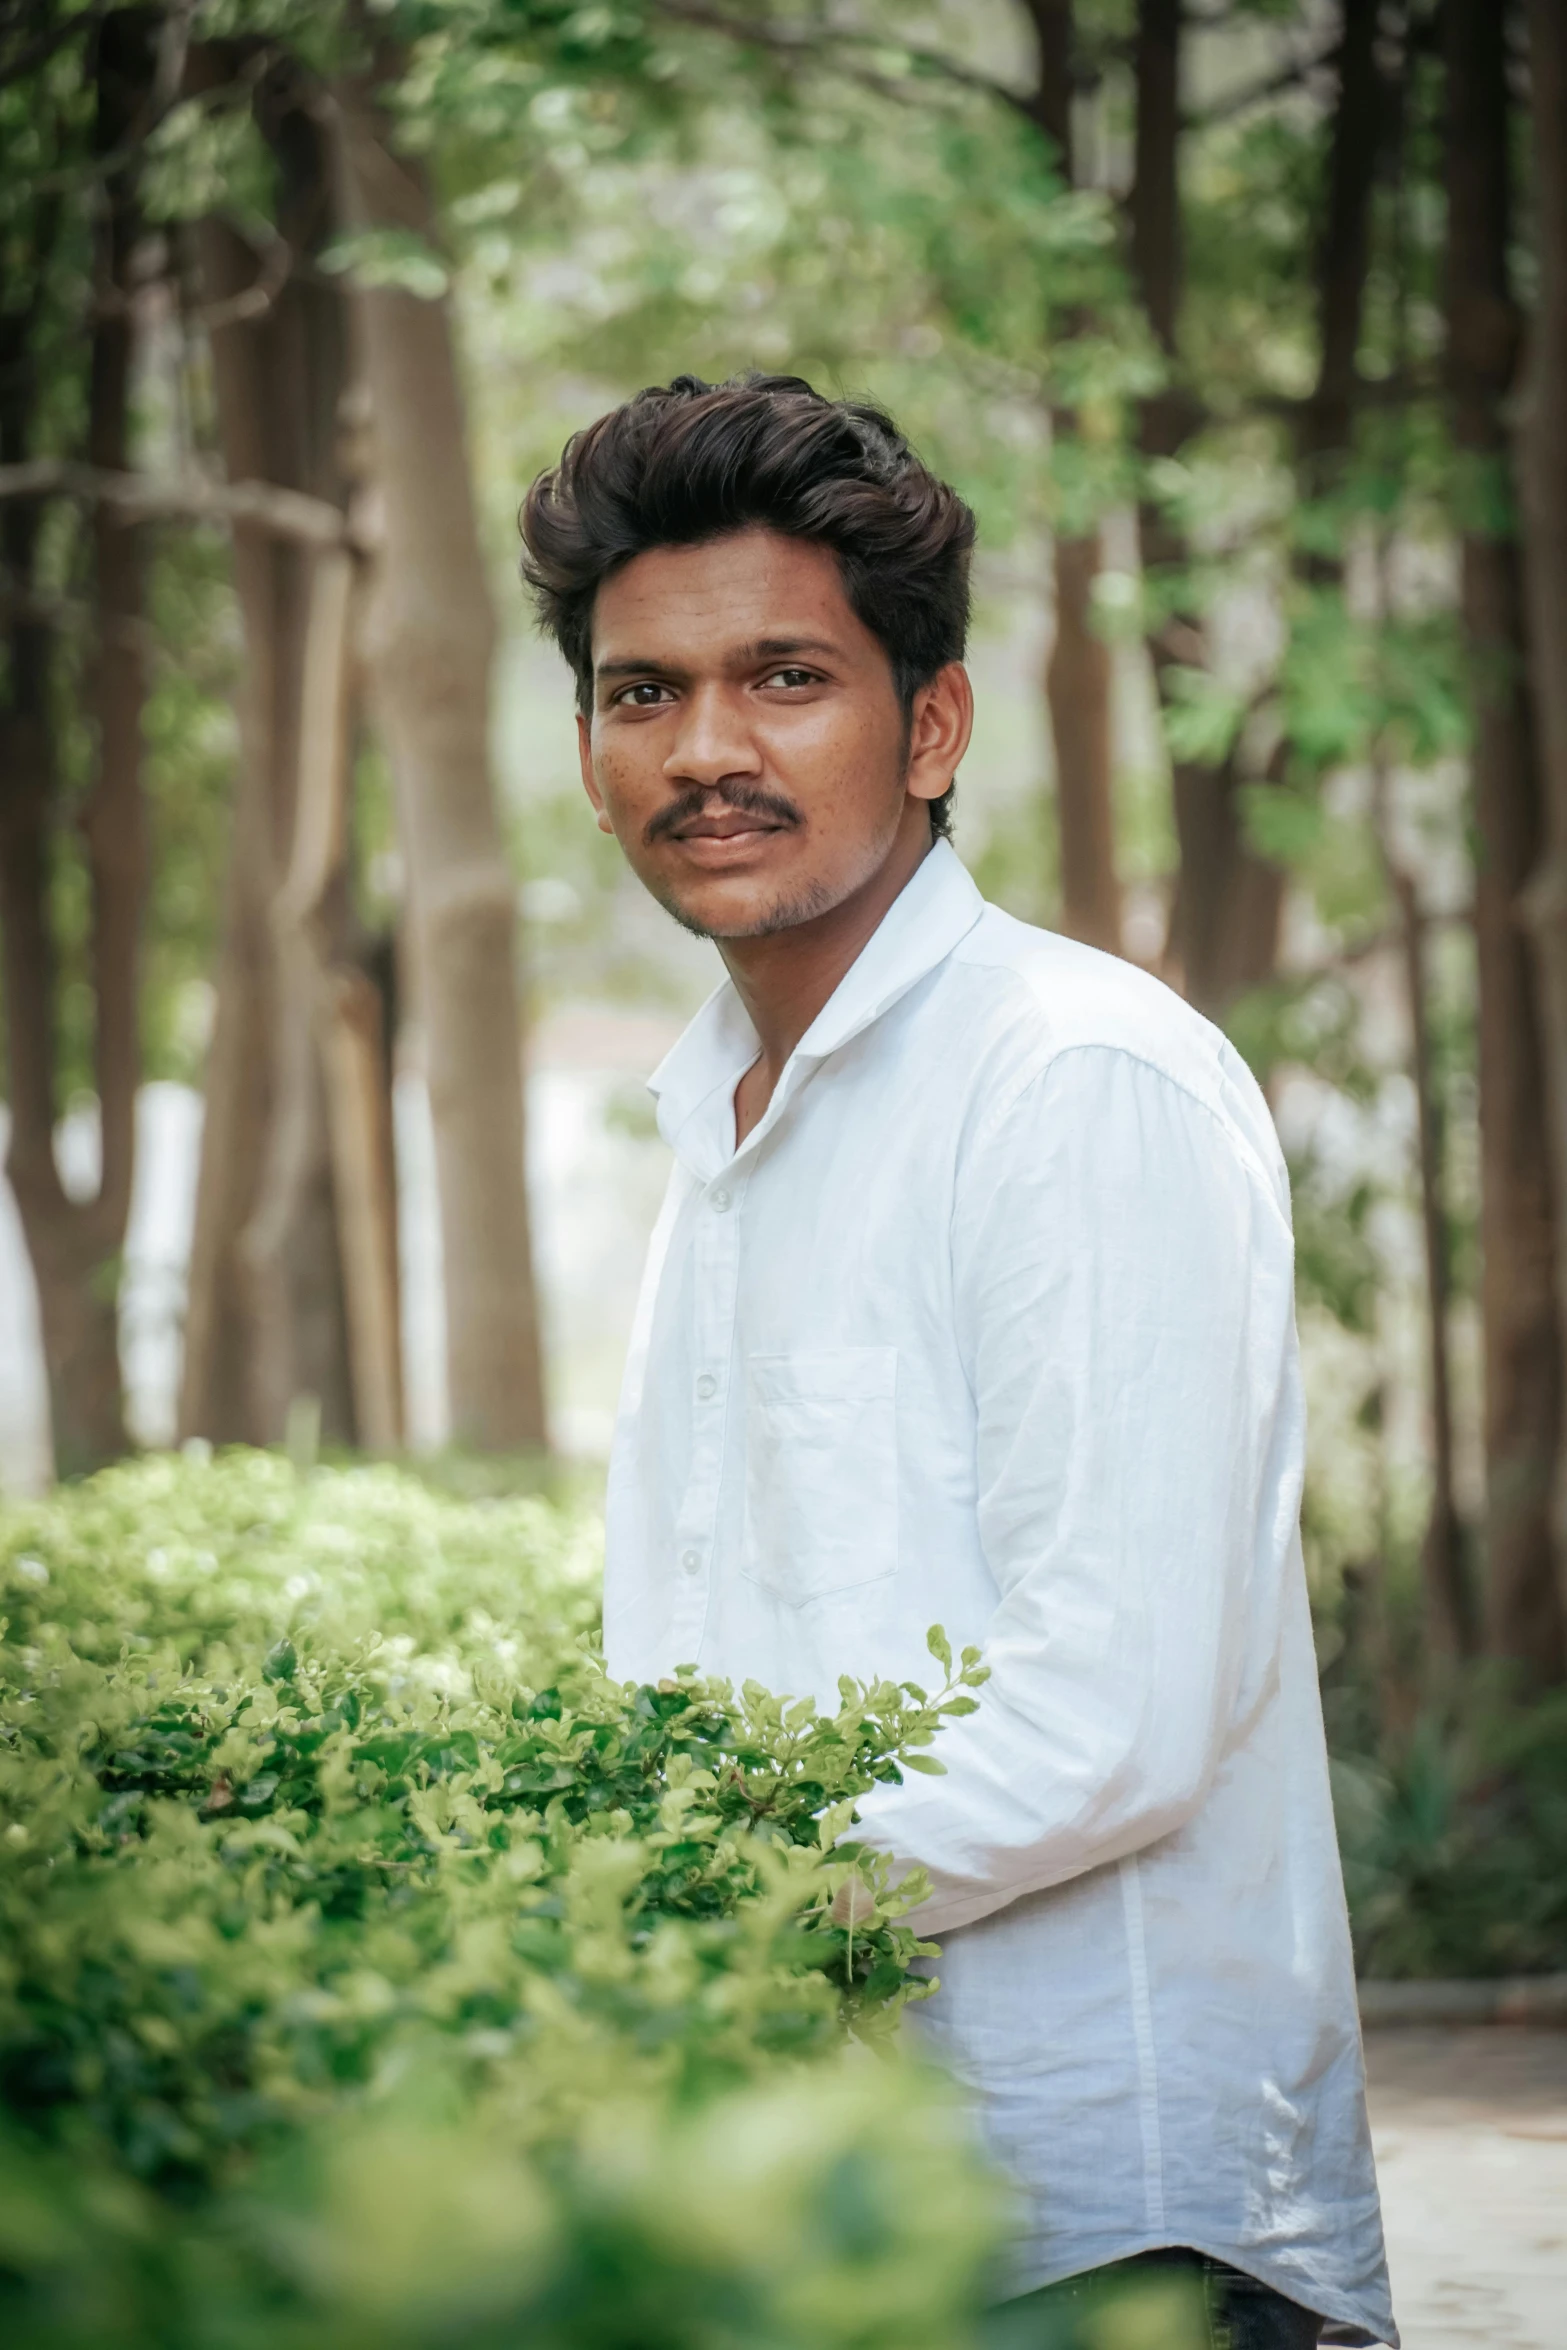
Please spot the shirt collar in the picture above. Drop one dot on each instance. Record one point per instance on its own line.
(694, 1083)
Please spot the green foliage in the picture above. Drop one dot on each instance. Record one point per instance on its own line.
(1454, 1836)
(375, 1967)
(191, 737)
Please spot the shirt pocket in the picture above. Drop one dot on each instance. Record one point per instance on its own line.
(821, 1470)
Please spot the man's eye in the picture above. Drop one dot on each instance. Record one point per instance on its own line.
(644, 696)
(793, 677)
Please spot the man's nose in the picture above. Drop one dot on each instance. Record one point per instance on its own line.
(712, 740)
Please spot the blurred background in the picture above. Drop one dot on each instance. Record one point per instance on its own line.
(1242, 323)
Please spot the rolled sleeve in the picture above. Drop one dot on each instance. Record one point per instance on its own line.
(1124, 1299)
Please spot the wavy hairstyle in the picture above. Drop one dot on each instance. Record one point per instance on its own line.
(687, 462)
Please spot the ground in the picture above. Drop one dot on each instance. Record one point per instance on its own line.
(1471, 2139)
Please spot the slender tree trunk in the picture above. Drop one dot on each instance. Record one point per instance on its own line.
(1228, 902)
(1079, 671)
(1450, 1612)
(75, 1245)
(1544, 483)
(343, 1022)
(1523, 1371)
(1343, 252)
(430, 643)
(1078, 688)
(294, 1155)
(1224, 916)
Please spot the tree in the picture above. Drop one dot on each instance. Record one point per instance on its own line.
(430, 641)
(1078, 673)
(1522, 1345)
(1543, 471)
(1224, 918)
(293, 1283)
(75, 1244)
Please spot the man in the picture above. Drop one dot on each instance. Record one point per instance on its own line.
(971, 1303)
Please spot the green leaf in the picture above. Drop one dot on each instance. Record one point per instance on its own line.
(1202, 717)
(390, 257)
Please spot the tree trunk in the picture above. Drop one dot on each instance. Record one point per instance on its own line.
(1224, 915)
(75, 1245)
(1079, 671)
(1523, 1372)
(343, 1022)
(1078, 688)
(278, 1305)
(1343, 252)
(1228, 903)
(1544, 481)
(1450, 1613)
(430, 646)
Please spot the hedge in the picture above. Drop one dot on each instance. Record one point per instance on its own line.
(374, 1970)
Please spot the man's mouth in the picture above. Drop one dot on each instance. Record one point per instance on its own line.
(721, 824)
(729, 824)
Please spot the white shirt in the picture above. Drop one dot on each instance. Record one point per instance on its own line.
(989, 1323)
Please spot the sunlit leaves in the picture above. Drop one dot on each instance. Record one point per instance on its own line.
(329, 1855)
(1203, 716)
(388, 257)
(1390, 688)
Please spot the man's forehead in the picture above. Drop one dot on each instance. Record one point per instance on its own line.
(755, 592)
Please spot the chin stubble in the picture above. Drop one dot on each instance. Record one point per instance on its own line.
(787, 914)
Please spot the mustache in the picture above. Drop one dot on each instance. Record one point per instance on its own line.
(746, 799)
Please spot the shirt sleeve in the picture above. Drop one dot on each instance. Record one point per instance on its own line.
(1123, 1275)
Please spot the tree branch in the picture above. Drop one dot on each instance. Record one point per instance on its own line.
(805, 43)
(1273, 85)
(37, 52)
(289, 514)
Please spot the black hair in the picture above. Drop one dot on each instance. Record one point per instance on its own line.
(686, 462)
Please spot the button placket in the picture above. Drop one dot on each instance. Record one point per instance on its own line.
(716, 1255)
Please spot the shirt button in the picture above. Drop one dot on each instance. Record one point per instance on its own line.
(718, 1201)
(691, 1560)
(707, 1387)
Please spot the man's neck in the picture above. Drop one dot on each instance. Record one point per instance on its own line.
(785, 978)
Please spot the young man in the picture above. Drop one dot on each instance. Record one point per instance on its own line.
(971, 1303)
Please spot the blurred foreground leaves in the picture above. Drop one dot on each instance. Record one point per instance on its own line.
(373, 1969)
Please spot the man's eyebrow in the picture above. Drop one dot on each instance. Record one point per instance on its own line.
(762, 648)
(631, 666)
(778, 648)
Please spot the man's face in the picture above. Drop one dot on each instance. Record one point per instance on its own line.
(746, 745)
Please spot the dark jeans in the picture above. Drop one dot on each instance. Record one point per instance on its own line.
(1225, 2310)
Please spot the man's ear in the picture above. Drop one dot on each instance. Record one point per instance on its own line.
(940, 725)
(589, 779)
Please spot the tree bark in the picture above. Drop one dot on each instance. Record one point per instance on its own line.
(1224, 915)
(1079, 671)
(293, 1159)
(1523, 1366)
(1450, 1612)
(75, 1245)
(1543, 469)
(430, 646)
(1228, 903)
(1078, 679)
(1343, 252)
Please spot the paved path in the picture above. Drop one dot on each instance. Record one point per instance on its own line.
(1471, 2138)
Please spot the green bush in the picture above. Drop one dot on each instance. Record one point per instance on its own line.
(373, 1969)
(1454, 1837)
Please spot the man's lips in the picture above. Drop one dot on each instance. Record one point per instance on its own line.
(734, 825)
(717, 831)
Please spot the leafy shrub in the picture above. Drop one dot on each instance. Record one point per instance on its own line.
(1454, 1837)
(374, 1969)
